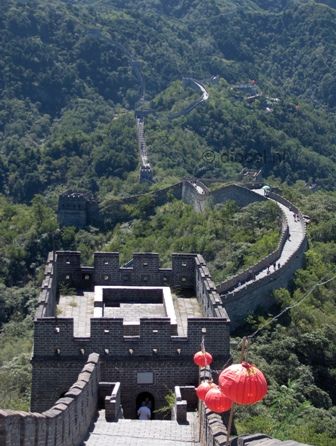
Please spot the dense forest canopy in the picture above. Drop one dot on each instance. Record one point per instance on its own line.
(69, 86)
(72, 74)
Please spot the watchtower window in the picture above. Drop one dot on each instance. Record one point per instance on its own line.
(106, 331)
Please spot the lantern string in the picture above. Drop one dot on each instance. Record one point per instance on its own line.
(217, 372)
(275, 318)
(203, 345)
(309, 292)
(243, 353)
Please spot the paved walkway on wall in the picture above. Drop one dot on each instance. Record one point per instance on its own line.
(80, 308)
(297, 234)
(185, 307)
(143, 433)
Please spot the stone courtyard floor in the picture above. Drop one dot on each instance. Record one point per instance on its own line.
(81, 309)
(143, 433)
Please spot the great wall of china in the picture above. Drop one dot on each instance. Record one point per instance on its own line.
(67, 421)
(238, 296)
(244, 292)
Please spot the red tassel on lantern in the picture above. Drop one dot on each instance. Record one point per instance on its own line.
(203, 389)
(243, 383)
(216, 401)
(202, 359)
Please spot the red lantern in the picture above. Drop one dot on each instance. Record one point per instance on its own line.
(216, 401)
(203, 389)
(243, 383)
(202, 359)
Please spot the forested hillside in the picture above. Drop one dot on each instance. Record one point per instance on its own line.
(72, 74)
(69, 86)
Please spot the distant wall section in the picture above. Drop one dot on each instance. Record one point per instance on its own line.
(80, 209)
(241, 195)
(259, 294)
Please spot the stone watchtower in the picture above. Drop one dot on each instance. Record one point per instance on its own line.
(77, 209)
(144, 321)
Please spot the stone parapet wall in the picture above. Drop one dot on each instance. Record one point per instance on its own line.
(259, 266)
(112, 404)
(244, 196)
(145, 270)
(196, 194)
(241, 195)
(240, 303)
(46, 304)
(54, 338)
(290, 206)
(213, 432)
(113, 210)
(79, 210)
(260, 293)
(206, 291)
(66, 423)
(188, 271)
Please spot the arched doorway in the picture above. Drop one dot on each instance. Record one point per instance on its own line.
(148, 398)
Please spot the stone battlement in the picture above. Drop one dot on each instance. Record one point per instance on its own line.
(54, 338)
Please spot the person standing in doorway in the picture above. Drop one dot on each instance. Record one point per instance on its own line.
(144, 412)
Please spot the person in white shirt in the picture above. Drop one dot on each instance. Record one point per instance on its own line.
(144, 413)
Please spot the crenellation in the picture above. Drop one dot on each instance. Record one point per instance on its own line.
(112, 334)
